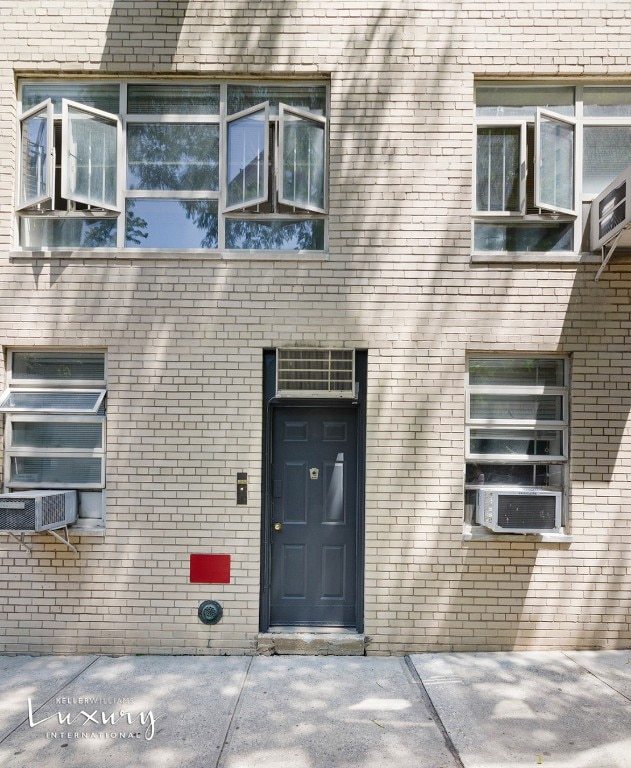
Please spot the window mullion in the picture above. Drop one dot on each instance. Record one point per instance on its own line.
(121, 176)
(523, 168)
(223, 113)
(90, 453)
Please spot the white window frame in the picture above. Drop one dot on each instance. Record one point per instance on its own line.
(14, 452)
(496, 122)
(249, 213)
(263, 108)
(53, 415)
(49, 181)
(128, 194)
(99, 395)
(486, 389)
(67, 163)
(519, 427)
(284, 109)
(553, 117)
(523, 217)
(576, 216)
(518, 433)
(158, 194)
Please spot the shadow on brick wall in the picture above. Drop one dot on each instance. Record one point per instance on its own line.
(596, 335)
(140, 38)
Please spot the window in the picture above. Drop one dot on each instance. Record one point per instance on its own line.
(55, 424)
(187, 166)
(543, 153)
(516, 431)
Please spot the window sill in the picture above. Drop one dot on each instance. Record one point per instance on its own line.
(536, 257)
(159, 254)
(87, 527)
(479, 533)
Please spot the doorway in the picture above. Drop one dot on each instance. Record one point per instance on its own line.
(313, 515)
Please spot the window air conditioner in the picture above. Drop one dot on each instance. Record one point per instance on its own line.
(519, 511)
(33, 511)
(611, 211)
(315, 372)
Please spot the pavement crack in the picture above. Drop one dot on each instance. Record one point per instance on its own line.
(594, 674)
(433, 712)
(232, 724)
(63, 685)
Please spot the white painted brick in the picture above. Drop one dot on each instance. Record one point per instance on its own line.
(185, 337)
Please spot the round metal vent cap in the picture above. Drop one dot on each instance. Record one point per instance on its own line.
(210, 612)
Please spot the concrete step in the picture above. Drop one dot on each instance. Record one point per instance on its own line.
(311, 644)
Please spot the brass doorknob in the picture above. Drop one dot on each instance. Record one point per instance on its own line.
(278, 526)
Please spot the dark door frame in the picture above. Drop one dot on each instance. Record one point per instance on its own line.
(271, 402)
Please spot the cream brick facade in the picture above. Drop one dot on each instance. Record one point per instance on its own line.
(185, 335)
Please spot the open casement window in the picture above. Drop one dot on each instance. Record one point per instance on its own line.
(89, 156)
(295, 174)
(90, 141)
(501, 169)
(51, 401)
(37, 157)
(302, 159)
(247, 158)
(555, 143)
(177, 165)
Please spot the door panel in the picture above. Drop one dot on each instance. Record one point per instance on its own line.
(294, 571)
(313, 565)
(294, 499)
(333, 567)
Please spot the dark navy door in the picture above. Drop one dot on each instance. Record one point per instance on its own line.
(314, 517)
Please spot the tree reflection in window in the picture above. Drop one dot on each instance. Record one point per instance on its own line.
(178, 157)
(275, 234)
(158, 222)
(174, 195)
(135, 226)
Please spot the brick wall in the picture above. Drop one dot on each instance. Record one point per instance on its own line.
(184, 337)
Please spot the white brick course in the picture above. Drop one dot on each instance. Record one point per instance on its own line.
(184, 336)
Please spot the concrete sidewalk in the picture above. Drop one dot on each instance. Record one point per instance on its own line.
(482, 710)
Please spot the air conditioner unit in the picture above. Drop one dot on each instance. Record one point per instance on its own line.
(315, 372)
(34, 511)
(519, 511)
(611, 212)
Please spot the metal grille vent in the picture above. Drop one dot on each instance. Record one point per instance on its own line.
(37, 510)
(527, 512)
(54, 511)
(612, 210)
(17, 515)
(315, 372)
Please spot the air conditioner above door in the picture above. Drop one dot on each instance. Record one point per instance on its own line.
(515, 510)
(315, 372)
